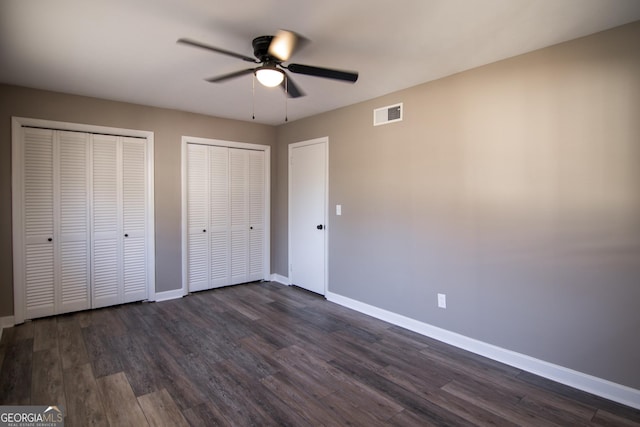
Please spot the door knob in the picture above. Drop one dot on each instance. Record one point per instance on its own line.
(126, 235)
(319, 227)
(50, 239)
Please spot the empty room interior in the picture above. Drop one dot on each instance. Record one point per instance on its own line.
(430, 217)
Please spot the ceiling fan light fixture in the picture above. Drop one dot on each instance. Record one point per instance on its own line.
(269, 77)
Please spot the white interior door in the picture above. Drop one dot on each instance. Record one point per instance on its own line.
(106, 222)
(134, 214)
(38, 274)
(239, 167)
(73, 223)
(197, 218)
(307, 214)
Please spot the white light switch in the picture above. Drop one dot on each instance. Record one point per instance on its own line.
(338, 209)
(442, 301)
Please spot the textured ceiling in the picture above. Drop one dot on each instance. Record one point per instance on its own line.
(126, 49)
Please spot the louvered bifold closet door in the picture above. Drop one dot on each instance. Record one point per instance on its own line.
(256, 215)
(197, 217)
(134, 213)
(219, 220)
(56, 222)
(239, 179)
(106, 244)
(225, 216)
(72, 218)
(38, 192)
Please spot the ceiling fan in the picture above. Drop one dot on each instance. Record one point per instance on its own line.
(271, 52)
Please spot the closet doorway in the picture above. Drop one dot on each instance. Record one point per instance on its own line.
(225, 213)
(83, 217)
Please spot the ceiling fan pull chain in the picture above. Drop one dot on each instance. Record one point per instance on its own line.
(286, 95)
(253, 97)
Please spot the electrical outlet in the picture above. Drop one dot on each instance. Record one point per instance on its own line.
(442, 300)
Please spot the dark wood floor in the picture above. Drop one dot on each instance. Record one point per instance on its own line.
(267, 354)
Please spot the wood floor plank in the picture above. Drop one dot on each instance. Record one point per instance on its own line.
(431, 392)
(430, 412)
(604, 418)
(231, 303)
(108, 317)
(306, 404)
(45, 333)
(15, 376)
(71, 342)
(120, 404)
(579, 396)
(84, 402)
(368, 400)
(225, 392)
(47, 383)
(206, 414)
(141, 370)
(498, 402)
(3, 352)
(177, 380)
(24, 331)
(348, 413)
(271, 409)
(160, 410)
(407, 418)
(205, 377)
(101, 352)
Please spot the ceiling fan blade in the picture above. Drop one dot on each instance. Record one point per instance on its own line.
(229, 76)
(285, 43)
(349, 76)
(217, 50)
(291, 88)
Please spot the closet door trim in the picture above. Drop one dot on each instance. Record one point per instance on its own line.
(17, 205)
(267, 198)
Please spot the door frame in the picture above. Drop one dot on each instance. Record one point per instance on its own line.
(322, 140)
(17, 203)
(267, 199)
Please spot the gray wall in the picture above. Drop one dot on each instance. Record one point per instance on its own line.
(168, 126)
(513, 188)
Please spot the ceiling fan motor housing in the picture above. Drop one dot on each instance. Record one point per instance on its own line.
(261, 48)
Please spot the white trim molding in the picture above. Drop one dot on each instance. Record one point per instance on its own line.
(589, 383)
(280, 279)
(169, 295)
(6, 322)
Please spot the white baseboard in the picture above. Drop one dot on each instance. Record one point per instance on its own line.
(280, 279)
(594, 385)
(6, 322)
(168, 295)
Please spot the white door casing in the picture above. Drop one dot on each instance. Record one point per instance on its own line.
(308, 200)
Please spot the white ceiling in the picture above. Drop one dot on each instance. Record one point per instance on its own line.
(126, 49)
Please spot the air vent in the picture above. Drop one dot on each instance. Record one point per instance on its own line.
(388, 114)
